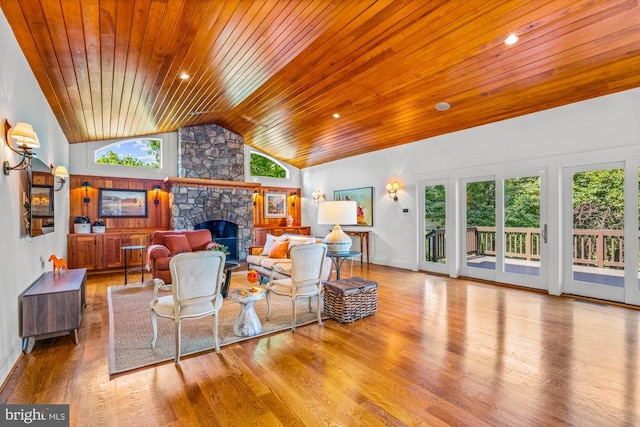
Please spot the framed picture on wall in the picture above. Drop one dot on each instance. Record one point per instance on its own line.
(122, 203)
(42, 201)
(363, 198)
(275, 205)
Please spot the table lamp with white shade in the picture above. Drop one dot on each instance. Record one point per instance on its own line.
(337, 213)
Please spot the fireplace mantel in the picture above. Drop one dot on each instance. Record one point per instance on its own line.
(198, 182)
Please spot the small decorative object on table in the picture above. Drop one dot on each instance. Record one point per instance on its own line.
(82, 225)
(253, 277)
(58, 264)
(98, 227)
(218, 247)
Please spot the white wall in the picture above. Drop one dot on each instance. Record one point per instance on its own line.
(23, 260)
(598, 130)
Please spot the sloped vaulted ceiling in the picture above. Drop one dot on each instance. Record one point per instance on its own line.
(276, 71)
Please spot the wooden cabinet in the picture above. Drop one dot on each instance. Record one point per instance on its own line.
(84, 251)
(104, 251)
(112, 254)
(260, 233)
(53, 306)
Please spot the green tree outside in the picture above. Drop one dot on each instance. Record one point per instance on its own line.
(598, 201)
(434, 205)
(263, 166)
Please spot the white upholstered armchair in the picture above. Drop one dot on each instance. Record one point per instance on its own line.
(307, 264)
(197, 279)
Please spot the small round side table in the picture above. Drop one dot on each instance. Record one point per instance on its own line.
(247, 324)
(127, 249)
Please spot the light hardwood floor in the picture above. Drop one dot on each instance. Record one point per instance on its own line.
(438, 352)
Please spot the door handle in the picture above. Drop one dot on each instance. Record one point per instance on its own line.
(544, 234)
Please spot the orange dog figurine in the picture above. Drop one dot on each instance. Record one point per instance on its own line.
(58, 264)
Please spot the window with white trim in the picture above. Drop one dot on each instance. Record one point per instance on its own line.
(139, 152)
(263, 165)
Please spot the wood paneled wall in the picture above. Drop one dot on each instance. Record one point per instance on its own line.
(158, 215)
(293, 206)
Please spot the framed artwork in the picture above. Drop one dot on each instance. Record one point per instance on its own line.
(122, 203)
(42, 201)
(275, 205)
(363, 198)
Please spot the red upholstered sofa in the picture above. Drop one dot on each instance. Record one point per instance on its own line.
(167, 243)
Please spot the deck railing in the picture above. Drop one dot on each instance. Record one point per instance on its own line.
(599, 248)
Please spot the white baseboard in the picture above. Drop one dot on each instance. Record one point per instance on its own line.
(9, 360)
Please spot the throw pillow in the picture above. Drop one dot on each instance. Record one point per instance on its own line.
(178, 244)
(269, 242)
(279, 250)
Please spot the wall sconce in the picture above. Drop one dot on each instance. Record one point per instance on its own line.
(86, 186)
(392, 190)
(60, 176)
(26, 140)
(255, 196)
(318, 196)
(293, 198)
(157, 189)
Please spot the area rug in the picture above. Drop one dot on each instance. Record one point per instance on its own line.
(130, 330)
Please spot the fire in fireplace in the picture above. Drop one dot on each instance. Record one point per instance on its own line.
(224, 233)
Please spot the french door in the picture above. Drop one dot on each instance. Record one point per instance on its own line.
(436, 226)
(504, 233)
(601, 231)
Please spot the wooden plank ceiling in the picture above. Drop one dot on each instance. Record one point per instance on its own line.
(275, 71)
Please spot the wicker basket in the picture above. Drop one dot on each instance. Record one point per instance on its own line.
(350, 299)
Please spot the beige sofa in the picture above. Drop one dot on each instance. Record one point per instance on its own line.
(273, 257)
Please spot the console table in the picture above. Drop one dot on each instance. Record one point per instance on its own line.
(364, 242)
(53, 306)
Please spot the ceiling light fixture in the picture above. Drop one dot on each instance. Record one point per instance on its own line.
(184, 76)
(443, 106)
(511, 39)
(336, 115)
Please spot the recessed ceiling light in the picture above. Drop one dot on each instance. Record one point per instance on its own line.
(442, 106)
(184, 76)
(336, 115)
(511, 39)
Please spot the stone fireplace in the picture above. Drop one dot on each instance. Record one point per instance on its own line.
(210, 187)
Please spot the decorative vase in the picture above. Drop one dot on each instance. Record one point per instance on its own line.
(82, 228)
